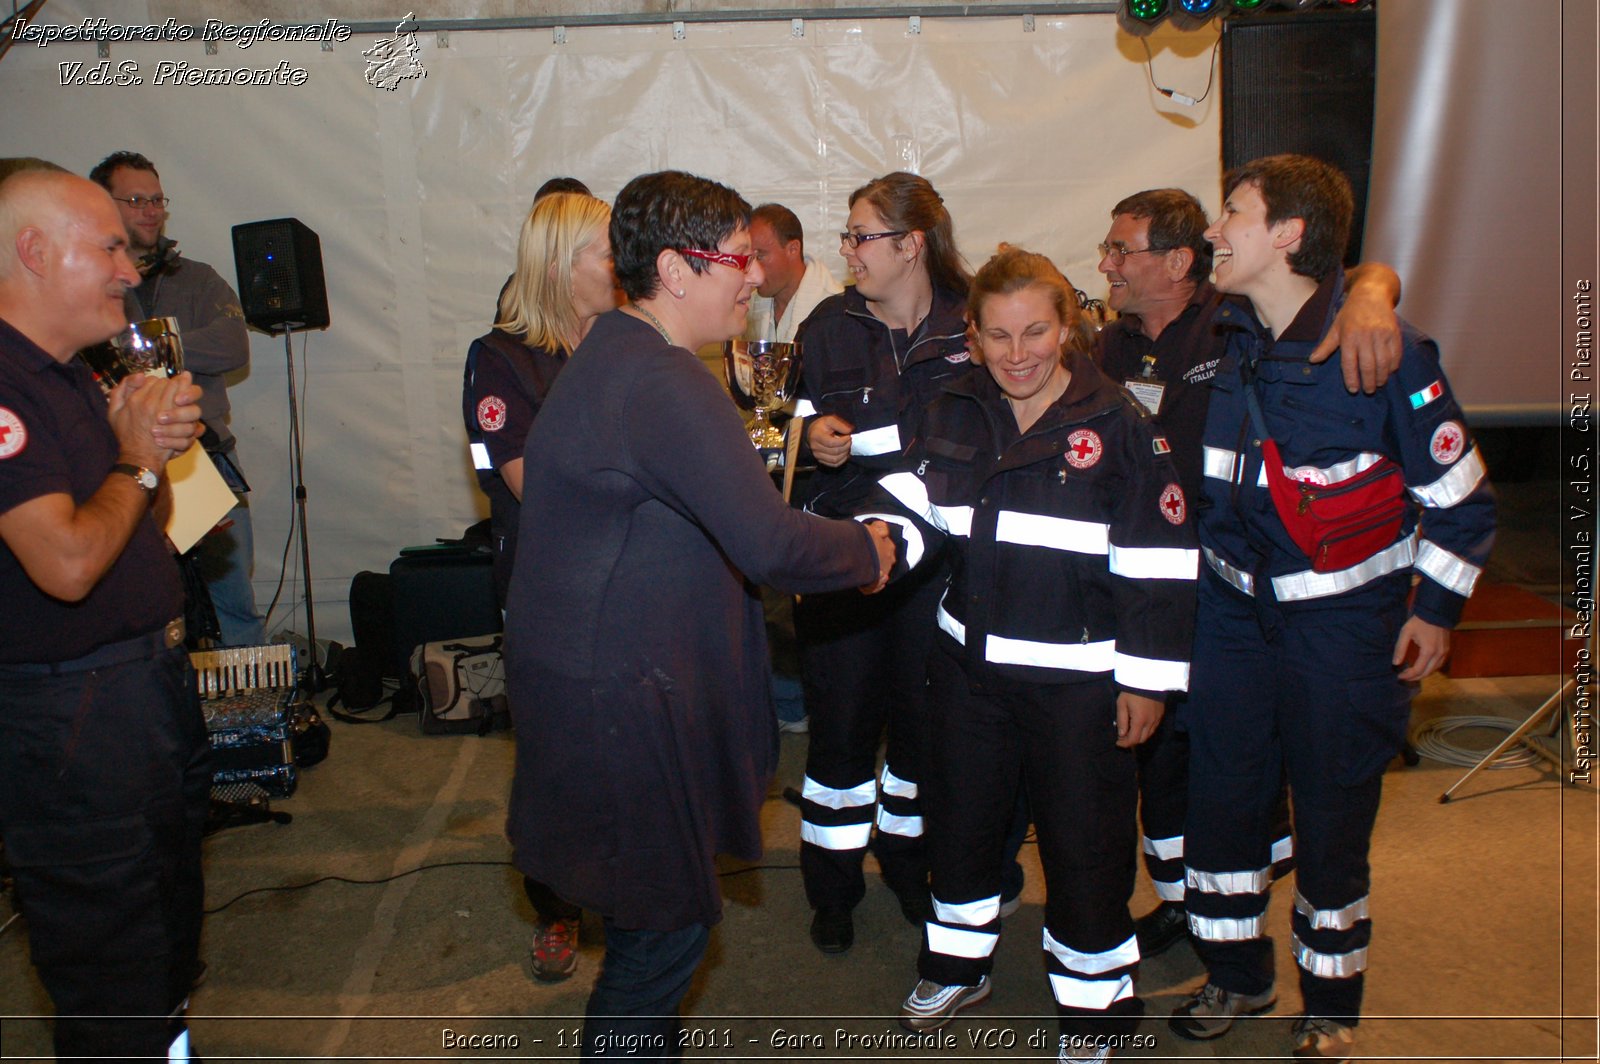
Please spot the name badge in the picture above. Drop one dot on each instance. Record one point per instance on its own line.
(1148, 390)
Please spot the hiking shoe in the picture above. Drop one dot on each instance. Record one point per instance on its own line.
(833, 930)
(1010, 905)
(1161, 928)
(1210, 1011)
(555, 950)
(794, 727)
(1319, 1038)
(931, 1006)
(1095, 1056)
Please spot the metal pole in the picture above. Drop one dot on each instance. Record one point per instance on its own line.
(314, 681)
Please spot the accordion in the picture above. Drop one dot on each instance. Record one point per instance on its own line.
(252, 708)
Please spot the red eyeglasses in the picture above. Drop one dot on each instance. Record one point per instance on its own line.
(727, 258)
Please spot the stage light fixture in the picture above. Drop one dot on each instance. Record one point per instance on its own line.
(1140, 17)
(1193, 14)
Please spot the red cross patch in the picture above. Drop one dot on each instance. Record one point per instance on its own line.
(1449, 440)
(1308, 475)
(1172, 505)
(491, 413)
(1084, 448)
(13, 434)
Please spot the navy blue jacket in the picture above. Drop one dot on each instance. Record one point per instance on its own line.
(1071, 553)
(877, 379)
(1327, 435)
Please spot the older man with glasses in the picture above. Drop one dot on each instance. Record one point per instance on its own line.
(1164, 350)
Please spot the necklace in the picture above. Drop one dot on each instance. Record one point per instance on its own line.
(662, 329)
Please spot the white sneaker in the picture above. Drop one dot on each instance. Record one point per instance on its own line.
(931, 1006)
(1319, 1038)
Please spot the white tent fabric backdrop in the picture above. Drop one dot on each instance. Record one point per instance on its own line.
(416, 194)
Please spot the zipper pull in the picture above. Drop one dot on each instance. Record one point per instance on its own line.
(922, 468)
(1305, 501)
(1061, 475)
(866, 395)
(1085, 638)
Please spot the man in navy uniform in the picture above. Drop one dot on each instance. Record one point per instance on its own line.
(1164, 349)
(104, 773)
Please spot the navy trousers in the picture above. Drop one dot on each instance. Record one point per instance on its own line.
(1059, 741)
(104, 783)
(864, 662)
(1312, 696)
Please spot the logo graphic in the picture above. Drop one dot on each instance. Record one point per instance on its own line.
(1084, 448)
(389, 62)
(1449, 440)
(1172, 505)
(1307, 475)
(13, 435)
(491, 413)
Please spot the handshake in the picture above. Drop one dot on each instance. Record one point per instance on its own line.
(886, 555)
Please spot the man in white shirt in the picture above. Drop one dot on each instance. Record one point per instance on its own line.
(795, 282)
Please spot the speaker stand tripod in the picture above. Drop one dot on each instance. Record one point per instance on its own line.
(314, 680)
(1566, 737)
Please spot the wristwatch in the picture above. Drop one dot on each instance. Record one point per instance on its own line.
(143, 477)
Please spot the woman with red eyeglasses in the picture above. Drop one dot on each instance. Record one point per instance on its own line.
(873, 358)
(638, 667)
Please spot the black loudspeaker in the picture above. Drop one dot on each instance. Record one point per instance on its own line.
(1303, 83)
(280, 275)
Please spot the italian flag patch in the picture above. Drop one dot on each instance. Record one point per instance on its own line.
(1427, 395)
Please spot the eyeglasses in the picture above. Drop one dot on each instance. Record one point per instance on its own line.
(1119, 251)
(727, 258)
(139, 203)
(855, 240)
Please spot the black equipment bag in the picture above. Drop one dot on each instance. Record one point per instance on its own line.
(363, 668)
(440, 592)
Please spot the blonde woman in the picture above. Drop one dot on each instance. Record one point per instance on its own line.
(562, 283)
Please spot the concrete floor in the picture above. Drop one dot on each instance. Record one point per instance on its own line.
(1485, 944)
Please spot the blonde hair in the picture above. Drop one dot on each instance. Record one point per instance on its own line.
(1012, 270)
(537, 304)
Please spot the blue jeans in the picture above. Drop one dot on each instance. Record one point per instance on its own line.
(227, 562)
(633, 1012)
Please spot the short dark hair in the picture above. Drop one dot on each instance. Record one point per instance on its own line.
(561, 184)
(23, 163)
(1176, 221)
(669, 209)
(909, 202)
(101, 174)
(785, 226)
(1299, 186)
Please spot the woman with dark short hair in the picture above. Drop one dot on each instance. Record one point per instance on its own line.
(638, 667)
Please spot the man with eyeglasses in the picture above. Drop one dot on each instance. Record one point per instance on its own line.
(215, 343)
(1163, 348)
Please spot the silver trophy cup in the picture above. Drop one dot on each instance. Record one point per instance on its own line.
(762, 375)
(151, 346)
